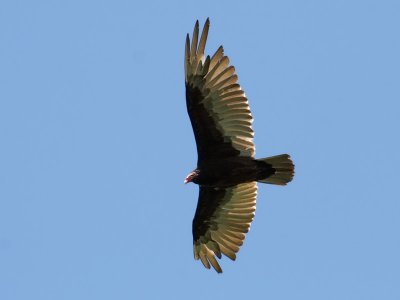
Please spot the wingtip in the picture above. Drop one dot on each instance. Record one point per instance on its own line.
(207, 21)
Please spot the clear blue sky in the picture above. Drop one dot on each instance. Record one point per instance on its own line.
(96, 142)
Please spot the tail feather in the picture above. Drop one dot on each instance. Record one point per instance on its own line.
(283, 169)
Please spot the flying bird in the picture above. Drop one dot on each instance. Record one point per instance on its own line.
(227, 171)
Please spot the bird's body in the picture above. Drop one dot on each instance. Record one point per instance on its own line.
(227, 170)
(231, 171)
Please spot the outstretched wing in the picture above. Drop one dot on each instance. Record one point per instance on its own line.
(217, 106)
(222, 218)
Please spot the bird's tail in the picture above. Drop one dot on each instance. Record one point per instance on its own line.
(282, 169)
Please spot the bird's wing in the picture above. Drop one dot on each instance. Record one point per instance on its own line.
(222, 218)
(217, 106)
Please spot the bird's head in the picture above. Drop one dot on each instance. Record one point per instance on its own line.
(191, 176)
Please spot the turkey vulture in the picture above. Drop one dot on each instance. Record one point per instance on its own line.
(227, 171)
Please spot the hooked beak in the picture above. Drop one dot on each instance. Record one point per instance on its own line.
(190, 177)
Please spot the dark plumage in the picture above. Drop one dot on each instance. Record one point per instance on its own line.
(227, 171)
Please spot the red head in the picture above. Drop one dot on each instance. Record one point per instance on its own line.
(191, 176)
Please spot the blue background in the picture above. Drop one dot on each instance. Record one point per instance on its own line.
(95, 144)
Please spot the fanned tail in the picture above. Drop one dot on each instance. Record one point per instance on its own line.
(283, 169)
